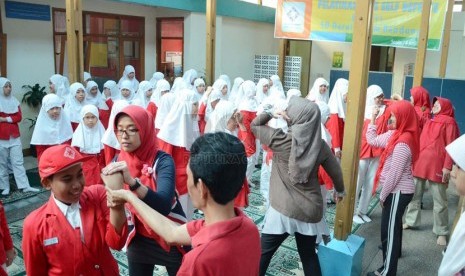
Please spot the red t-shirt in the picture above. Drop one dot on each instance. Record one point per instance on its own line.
(225, 248)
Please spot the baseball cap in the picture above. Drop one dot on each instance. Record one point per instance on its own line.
(456, 151)
(57, 158)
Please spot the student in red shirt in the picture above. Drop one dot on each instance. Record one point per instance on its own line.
(420, 100)
(337, 107)
(73, 232)
(7, 251)
(216, 172)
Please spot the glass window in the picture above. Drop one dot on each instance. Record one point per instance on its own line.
(133, 27)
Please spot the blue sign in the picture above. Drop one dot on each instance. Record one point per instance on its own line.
(23, 10)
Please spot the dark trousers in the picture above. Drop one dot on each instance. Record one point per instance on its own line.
(305, 246)
(391, 230)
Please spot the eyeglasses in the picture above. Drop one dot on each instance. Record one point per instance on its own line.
(128, 132)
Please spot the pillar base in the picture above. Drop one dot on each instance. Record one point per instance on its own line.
(342, 257)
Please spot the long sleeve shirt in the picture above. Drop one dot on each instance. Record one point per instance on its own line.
(397, 171)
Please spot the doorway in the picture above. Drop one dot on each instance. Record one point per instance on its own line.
(169, 47)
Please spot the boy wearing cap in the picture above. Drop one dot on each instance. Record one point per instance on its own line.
(73, 232)
(453, 262)
(226, 242)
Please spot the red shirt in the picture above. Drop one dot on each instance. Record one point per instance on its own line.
(181, 158)
(247, 137)
(10, 129)
(230, 247)
(335, 126)
(152, 109)
(6, 243)
(201, 113)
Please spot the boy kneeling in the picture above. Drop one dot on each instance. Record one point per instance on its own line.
(226, 242)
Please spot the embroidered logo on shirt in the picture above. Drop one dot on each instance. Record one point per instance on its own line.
(50, 241)
(69, 152)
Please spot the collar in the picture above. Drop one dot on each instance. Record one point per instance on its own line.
(64, 208)
(218, 230)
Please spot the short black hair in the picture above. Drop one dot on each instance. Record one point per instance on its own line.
(219, 159)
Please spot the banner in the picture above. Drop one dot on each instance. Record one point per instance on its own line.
(396, 23)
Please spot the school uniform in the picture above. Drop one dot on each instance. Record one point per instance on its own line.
(208, 256)
(422, 105)
(111, 146)
(51, 246)
(73, 106)
(6, 242)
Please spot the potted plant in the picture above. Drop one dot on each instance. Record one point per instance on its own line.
(33, 98)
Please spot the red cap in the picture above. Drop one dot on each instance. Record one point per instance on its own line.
(57, 158)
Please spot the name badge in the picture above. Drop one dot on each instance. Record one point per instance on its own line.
(50, 241)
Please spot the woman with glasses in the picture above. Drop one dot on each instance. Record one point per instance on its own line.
(150, 174)
(11, 152)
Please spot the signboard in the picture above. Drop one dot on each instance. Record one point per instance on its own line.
(396, 23)
(338, 58)
(23, 10)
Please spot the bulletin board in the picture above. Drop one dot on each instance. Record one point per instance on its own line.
(98, 54)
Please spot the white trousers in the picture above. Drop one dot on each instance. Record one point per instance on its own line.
(11, 154)
(265, 176)
(366, 176)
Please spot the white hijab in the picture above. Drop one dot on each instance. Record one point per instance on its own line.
(197, 83)
(215, 95)
(126, 84)
(373, 91)
(248, 101)
(166, 103)
(134, 82)
(8, 105)
(188, 77)
(336, 100)
(260, 95)
(278, 104)
(97, 100)
(325, 113)
(235, 96)
(293, 92)
(178, 127)
(277, 88)
(218, 85)
(162, 85)
(227, 80)
(219, 118)
(178, 85)
(109, 137)
(87, 76)
(88, 139)
(48, 131)
(156, 77)
(61, 89)
(141, 96)
(73, 106)
(114, 91)
(314, 93)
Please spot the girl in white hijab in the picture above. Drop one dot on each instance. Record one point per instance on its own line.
(94, 96)
(11, 153)
(76, 101)
(57, 86)
(319, 91)
(189, 77)
(166, 103)
(127, 93)
(178, 85)
(162, 87)
(129, 74)
(156, 77)
(144, 94)
(176, 136)
(86, 77)
(111, 91)
(221, 86)
(276, 87)
(53, 126)
(337, 107)
(293, 92)
(263, 87)
(111, 146)
(227, 80)
(199, 88)
(235, 96)
(87, 139)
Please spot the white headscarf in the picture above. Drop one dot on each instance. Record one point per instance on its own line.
(178, 85)
(8, 105)
(325, 113)
(114, 91)
(218, 86)
(97, 100)
(227, 80)
(248, 101)
(277, 88)
(134, 82)
(166, 102)
(314, 93)
(178, 127)
(88, 139)
(278, 104)
(373, 91)
(156, 77)
(87, 76)
(336, 100)
(197, 83)
(73, 106)
(60, 88)
(126, 84)
(219, 118)
(162, 85)
(109, 137)
(215, 95)
(188, 77)
(293, 92)
(235, 96)
(141, 96)
(48, 131)
(260, 95)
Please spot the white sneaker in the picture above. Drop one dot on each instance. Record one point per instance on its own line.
(365, 218)
(30, 189)
(357, 219)
(6, 192)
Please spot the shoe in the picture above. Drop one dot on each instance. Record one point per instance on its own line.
(365, 218)
(357, 219)
(442, 240)
(6, 192)
(30, 189)
(326, 239)
(405, 226)
(374, 273)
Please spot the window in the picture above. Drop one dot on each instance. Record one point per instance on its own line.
(170, 44)
(110, 42)
(382, 58)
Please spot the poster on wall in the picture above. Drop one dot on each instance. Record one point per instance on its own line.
(396, 23)
(338, 58)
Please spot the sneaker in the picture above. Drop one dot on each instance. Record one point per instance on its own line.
(6, 192)
(365, 218)
(30, 189)
(357, 219)
(441, 240)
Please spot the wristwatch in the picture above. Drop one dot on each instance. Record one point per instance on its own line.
(135, 186)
